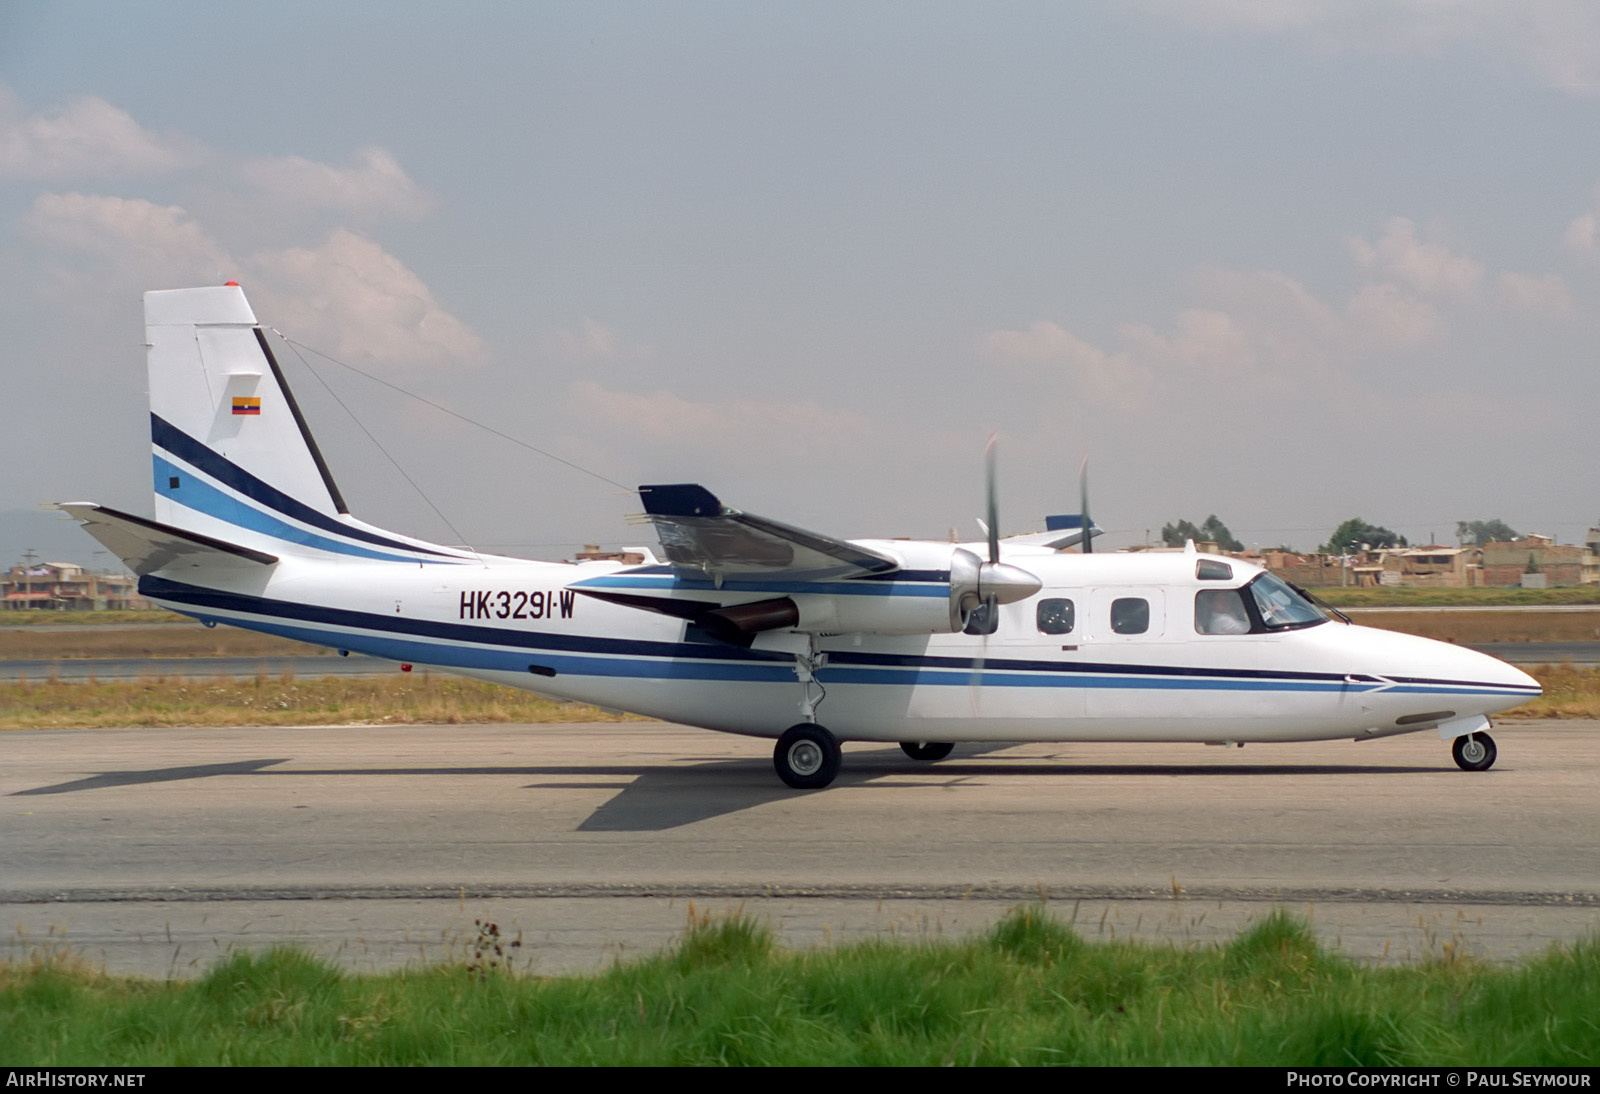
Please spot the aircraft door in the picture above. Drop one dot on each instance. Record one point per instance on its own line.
(1124, 626)
(1124, 616)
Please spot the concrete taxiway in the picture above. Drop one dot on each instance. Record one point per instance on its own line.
(154, 850)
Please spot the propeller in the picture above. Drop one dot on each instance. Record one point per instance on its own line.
(1083, 504)
(976, 584)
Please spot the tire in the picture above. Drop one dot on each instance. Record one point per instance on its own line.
(806, 757)
(926, 750)
(1474, 752)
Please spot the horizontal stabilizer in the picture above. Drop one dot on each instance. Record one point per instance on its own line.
(702, 536)
(146, 546)
(1063, 531)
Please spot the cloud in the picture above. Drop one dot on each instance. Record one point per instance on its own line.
(593, 344)
(372, 185)
(1547, 295)
(1429, 267)
(347, 296)
(86, 138)
(1580, 234)
(160, 244)
(733, 425)
(1386, 315)
(1557, 40)
(351, 298)
(1049, 352)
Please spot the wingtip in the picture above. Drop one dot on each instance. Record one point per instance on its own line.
(679, 499)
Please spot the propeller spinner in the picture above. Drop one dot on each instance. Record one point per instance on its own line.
(975, 583)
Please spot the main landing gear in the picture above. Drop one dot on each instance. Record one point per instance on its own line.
(1474, 752)
(807, 756)
(926, 750)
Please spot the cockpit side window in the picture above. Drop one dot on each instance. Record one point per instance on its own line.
(1055, 616)
(1221, 611)
(1280, 607)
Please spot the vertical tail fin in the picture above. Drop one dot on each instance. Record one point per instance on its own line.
(233, 457)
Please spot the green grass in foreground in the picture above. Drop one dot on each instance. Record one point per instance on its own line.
(1030, 992)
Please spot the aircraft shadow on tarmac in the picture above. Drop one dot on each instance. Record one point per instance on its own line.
(662, 797)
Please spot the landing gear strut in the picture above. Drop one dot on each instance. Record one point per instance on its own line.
(926, 750)
(1474, 752)
(807, 756)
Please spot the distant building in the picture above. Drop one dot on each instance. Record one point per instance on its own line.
(1308, 570)
(628, 556)
(62, 586)
(1542, 560)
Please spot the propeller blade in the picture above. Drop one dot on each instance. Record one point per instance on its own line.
(993, 501)
(1083, 503)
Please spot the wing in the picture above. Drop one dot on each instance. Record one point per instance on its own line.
(147, 545)
(702, 538)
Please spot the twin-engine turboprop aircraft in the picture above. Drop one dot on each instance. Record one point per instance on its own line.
(755, 627)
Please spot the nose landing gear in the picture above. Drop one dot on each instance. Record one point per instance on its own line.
(1474, 752)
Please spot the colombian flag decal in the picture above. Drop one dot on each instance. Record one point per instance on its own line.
(247, 404)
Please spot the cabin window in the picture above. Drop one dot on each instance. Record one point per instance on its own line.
(1209, 569)
(1055, 616)
(984, 619)
(1221, 611)
(1130, 615)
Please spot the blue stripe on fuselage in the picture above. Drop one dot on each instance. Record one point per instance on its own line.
(184, 447)
(204, 498)
(470, 646)
(670, 583)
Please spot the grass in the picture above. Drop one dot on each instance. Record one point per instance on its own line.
(1029, 992)
(1471, 628)
(1405, 597)
(419, 697)
(1568, 693)
(38, 618)
(184, 638)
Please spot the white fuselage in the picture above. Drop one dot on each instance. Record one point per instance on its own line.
(534, 625)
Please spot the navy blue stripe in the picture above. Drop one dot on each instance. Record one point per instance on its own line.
(900, 660)
(202, 599)
(696, 577)
(225, 471)
(854, 657)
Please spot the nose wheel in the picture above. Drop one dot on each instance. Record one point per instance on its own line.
(807, 756)
(1474, 752)
(926, 750)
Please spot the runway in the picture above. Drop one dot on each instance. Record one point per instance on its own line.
(153, 850)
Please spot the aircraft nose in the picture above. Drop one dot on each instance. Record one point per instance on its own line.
(1500, 679)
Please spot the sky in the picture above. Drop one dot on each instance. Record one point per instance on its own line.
(1284, 261)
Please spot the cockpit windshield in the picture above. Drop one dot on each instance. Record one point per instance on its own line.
(1281, 606)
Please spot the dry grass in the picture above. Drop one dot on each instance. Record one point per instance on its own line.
(41, 618)
(419, 697)
(1568, 693)
(1401, 597)
(184, 639)
(1471, 628)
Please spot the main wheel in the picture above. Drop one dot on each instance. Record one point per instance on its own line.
(1474, 752)
(926, 750)
(807, 756)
